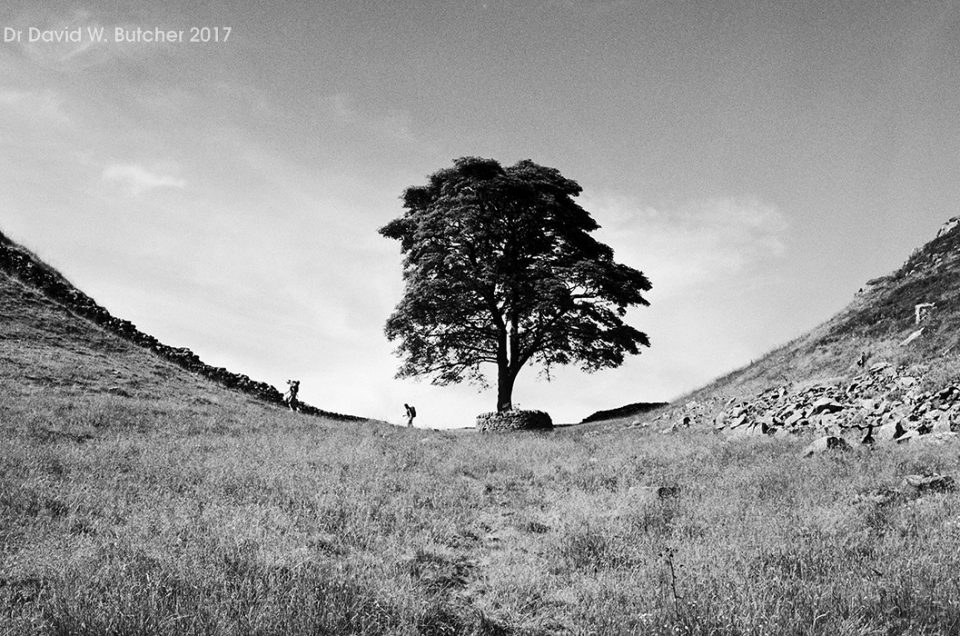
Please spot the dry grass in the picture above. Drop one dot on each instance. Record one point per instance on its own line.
(123, 516)
(137, 499)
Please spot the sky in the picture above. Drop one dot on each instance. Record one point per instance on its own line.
(758, 161)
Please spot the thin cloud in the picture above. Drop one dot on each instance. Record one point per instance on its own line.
(392, 123)
(695, 243)
(137, 179)
(37, 106)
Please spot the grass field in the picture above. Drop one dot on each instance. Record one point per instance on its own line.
(136, 498)
(127, 516)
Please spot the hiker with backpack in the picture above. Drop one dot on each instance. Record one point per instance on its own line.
(290, 397)
(411, 413)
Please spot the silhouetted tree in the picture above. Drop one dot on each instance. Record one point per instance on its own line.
(500, 268)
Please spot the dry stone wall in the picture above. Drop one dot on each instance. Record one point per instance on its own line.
(516, 420)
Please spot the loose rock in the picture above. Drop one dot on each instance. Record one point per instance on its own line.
(824, 444)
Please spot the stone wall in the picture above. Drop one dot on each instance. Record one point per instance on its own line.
(515, 420)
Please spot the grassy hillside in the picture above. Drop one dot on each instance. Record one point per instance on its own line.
(870, 330)
(138, 498)
(24, 266)
(874, 324)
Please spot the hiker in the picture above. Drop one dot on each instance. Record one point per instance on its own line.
(290, 397)
(411, 413)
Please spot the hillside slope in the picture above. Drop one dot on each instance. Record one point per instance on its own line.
(875, 323)
(43, 312)
(888, 362)
(47, 352)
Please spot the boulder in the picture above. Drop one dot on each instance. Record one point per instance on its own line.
(942, 424)
(825, 405)
(828, 442)
(949, 394)
(907, 381)
(906, 437)
(888, 432)
(720, 421)
(740, 421)
(829, 422)
(794, 418)
(766, 424)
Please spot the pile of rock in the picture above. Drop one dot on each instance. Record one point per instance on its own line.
(883, 404)
(682, 417)
(692, 412)
(24, 266)
(514, 420)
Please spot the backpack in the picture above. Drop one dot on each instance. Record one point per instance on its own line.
(413, 411)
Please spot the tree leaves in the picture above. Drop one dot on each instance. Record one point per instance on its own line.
(500, 268)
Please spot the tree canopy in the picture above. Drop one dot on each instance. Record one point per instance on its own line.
(500, 268)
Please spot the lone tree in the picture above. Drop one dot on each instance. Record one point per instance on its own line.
(500, 268)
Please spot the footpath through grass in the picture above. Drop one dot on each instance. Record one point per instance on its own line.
(130, 516)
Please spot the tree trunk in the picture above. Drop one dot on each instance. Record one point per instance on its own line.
(505, 389)
(507, 366)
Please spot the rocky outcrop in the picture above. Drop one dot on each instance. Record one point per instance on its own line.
(515, 420)
(682, 417)
(24, 266)
(948, 226)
